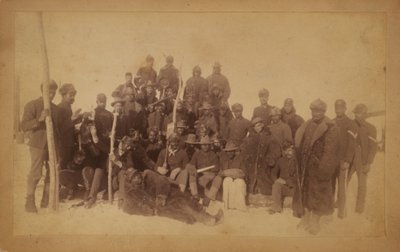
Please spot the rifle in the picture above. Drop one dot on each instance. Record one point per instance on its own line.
(204, 169)
(161, 100)
(376, 113)
(112, 140)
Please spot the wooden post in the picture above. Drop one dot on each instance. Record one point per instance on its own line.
(112, 141)
(53, 164)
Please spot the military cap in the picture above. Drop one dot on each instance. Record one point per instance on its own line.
(196, 69)
(173, 138)
(275, 111)
(67, 88)
(101, 97)
(149, 58)
(205, 140)
(237, 107)
(231, 146)
(128, 74)
(288, 101)
(286, 145)
(340, 103)
(217, 64)
(191, 139)
(263, 92)
(257, 120)
(52, 85)
(118, 100)
(360, 108)
(169, 58)
(318, 105)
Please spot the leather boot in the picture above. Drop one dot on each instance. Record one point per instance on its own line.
(30, 206)
(314, 224)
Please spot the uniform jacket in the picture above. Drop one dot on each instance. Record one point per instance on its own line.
(221, 81)
(286, 169)
(264, 112)
(66, 125)
(32, 112)
(347, 138)
(171, 73)
(366, 139)
(203, 159)
(237, 130)
(147, 74)
(260, 153)
(293, 120)
(198, 86)
(317, 148)
(281, 131)
(177, 160)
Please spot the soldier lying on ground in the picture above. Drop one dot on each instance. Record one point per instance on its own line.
(151, 194)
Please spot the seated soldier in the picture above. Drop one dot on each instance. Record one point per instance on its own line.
(204, 158)
(74, 175)
(121, 160)
(172, 162)
(158, 118)
(143, 199)
(232, 169)
(284, 175)
(153, 144)
(180, 130)
(190, 145)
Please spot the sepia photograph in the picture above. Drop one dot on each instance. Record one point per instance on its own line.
(268, 124)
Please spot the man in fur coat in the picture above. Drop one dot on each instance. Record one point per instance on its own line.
(316, 143)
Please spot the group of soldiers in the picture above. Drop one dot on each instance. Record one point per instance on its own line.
(171, 157)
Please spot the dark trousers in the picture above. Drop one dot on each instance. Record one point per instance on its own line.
(279, 191)
(362, 176)
(340, 177)
(38, 159)
(66, 153)
(99, 182)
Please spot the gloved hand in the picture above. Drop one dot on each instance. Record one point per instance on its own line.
(162, 170)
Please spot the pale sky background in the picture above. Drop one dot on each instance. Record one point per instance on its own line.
(300, 55)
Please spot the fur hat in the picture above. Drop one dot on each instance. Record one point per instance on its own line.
(318, 105)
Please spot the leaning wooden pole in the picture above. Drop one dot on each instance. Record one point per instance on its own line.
(112, 141)
(54, 180)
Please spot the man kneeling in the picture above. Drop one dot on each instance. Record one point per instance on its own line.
(151, 194)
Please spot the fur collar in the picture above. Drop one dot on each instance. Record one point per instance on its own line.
(319, 131)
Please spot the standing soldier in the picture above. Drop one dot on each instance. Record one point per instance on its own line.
(365, 151)
(317, 143)
(67, 121)
(290, 117)
(33, 120)
(103, 118)
(347, 142)
(280, 130)
(170, 72)
(264, 110)
(147, 73)
(218, 79)
(238, 127)
(260, 153)
(197, 86)
(120, 91)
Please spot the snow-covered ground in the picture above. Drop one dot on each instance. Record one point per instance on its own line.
(107, 219)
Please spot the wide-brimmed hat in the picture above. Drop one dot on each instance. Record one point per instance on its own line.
(257, 120)
(360, 108)
(205, 140)
(191, 139)
(231, 146)
(118, 100)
